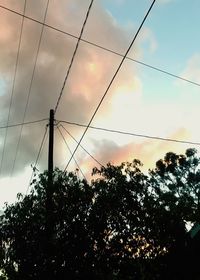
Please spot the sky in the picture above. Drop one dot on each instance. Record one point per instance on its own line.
(141, 99)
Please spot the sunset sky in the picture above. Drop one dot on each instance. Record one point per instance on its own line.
(141, 100)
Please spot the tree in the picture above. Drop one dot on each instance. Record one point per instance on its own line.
(123, 225)
(176, 187)
(23, 235)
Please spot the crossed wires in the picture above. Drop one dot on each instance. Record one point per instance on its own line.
(68, 71)
(30, 88)
(37, 157)
(13, 87)
(80, 39)
(111, 82)
(104, 48)
(73, 56)
(78, 166)
(97, 161)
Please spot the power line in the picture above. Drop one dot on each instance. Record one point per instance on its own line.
(113, 78)
(139, 135)
(30, 87)
(133, 134)
(73, 56)
(24, 123)
(70, 152)
(38, 156)
(105, 49)
(13, 86)
(81, 145)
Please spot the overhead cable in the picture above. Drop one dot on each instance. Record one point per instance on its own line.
(111, 82)
(25, 123)
(106, 49)
(81, 145)
(38, 156)
(30, 87)
(133, 134)
(78, 166)
(13, 86)
(73, 56)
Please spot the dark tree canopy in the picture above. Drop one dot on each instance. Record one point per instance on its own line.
(123, 225)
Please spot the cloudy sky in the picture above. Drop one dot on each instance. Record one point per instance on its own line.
(141, 100)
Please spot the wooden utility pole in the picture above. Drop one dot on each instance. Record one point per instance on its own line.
(51, 140)
(49, 200)
(49, 189)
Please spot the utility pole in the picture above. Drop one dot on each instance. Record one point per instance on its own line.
(51, 140)
(49, 189)
(49, 200)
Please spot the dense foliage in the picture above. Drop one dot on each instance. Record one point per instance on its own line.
(122, 225)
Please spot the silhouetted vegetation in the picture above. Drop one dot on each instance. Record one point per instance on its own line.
(122, 225)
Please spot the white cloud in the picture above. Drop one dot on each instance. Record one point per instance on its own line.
(10, 187)
(192, 69)
(147, 37)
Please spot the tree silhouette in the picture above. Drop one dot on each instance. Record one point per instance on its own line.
(123, 225)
